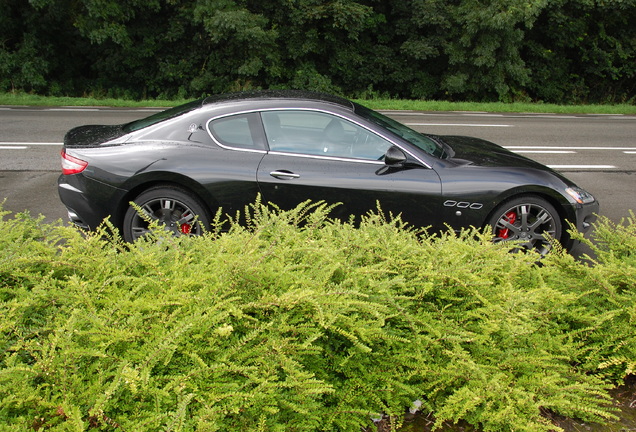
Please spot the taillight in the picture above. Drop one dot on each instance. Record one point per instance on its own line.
(72, 165)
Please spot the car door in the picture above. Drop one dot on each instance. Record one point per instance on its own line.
(324, 157)
(228, 172)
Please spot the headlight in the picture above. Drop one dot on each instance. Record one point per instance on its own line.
(579, 195)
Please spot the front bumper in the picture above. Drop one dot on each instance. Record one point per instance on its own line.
(586, 216)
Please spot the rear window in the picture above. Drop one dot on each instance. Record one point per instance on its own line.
(162, 116)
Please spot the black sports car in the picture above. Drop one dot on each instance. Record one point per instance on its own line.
(183, 164)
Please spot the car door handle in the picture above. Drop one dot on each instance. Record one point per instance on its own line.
(284, 175)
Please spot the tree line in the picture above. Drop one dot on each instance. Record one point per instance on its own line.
(557, 51)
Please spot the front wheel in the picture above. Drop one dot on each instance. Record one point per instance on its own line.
(529, 220)
(177, 210)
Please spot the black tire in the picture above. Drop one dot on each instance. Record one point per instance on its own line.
(529, 220)
(178, 210)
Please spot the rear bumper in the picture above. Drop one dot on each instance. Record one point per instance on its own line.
(86, 213)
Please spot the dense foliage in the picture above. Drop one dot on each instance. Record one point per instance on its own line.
(300, 323)
(558, 51)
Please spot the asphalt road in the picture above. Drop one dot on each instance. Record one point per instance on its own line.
(598, 152)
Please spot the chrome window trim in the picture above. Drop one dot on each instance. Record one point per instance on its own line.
(333, 158)
(323, 111)
(217, 142)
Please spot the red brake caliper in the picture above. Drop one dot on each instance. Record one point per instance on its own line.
(511, 218)
(186, 228)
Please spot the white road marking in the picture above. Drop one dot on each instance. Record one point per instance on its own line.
(554, 116)
(568, 148)
(582, 166)
(88, 108)
(458, 124)
(517, 149)
(545, 151)
(29, 144)
(478, 114)
(73, 109)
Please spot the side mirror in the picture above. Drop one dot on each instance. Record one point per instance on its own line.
(394, 157)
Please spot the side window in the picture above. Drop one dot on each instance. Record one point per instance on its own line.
(370, 146)
(240, 131)
(316, 133)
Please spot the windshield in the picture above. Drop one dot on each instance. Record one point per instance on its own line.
(419, 140)
(161, 116)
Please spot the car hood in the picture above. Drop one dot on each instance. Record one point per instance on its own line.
(92, 135)
(479, 152)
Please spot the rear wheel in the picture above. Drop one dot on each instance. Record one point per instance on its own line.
(528, 220)
(177, 210)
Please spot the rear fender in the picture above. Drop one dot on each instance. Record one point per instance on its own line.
(141, 183)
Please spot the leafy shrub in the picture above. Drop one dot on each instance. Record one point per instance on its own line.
(296, 322)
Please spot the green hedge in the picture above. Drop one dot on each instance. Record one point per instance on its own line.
(300, 323)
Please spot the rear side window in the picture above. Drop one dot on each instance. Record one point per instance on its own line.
(238, 131)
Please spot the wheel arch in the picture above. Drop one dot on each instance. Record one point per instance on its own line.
(170, 180)
(560, 204)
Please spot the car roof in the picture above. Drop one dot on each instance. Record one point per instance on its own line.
(279, 95)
